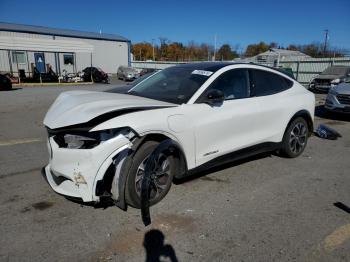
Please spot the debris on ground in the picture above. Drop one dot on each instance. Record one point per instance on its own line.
(327, 132)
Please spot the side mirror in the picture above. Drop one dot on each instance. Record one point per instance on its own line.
(215, 96)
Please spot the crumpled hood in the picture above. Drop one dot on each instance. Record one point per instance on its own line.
(77, 107)
(342, 89)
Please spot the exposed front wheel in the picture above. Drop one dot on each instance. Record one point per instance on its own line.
(162, 175)
(295, 138)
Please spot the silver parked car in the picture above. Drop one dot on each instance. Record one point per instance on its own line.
(338, 98)
(127, 73)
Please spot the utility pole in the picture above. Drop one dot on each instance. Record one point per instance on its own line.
(214, 47)
(153, 48)
(325, 42)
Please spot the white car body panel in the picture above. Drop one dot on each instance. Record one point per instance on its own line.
(157, 123)
(216, 128)
(204, 132)
(276, 111)
(76, 107)
(82, 167)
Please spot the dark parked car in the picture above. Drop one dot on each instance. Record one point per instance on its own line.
(5, 83)
(96, 73)
(330, 77)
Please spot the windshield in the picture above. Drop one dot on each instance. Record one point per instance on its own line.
(140, 79)
(174, 85)
(335, 70)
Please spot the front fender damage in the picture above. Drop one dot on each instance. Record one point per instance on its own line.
(122, 164)
(119, 181)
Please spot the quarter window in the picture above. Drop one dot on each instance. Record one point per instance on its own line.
(234, 84)
(267, 83)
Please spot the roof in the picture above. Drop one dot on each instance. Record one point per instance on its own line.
(59, 32)
(282, 52)
(45, 44)
(207, 66)
(215, 66)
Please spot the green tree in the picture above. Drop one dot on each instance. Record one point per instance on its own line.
(225, 53)
(163, 48)
(255, 49)
(292, 47)
(175, 51)
(273, 45)
(142, 51)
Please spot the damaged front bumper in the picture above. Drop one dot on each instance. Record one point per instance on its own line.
(75, 172)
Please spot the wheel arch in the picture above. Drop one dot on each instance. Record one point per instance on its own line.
(180, 157)
(181, 163)
(307, 116)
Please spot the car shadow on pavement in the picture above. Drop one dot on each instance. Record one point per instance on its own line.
(12, 89)
(107, 202)
(320, 111)
(103, 204)
(221, 167)
(155, 248)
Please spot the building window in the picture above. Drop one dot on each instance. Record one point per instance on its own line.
(19, 57)
(68, 59)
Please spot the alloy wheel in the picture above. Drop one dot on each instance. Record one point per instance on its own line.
(160, 176)
(297, 139)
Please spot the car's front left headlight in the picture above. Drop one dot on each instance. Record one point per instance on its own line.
(88, 140)
(79, 142)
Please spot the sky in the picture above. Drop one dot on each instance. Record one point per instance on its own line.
(237, 23)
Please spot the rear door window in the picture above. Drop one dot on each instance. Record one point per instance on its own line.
(265, 83)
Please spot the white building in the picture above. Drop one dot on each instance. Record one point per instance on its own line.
(24, 46)
(275, 54)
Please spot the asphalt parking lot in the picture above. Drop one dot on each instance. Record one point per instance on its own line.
(265, 208)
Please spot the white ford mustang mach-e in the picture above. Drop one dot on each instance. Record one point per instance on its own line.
(99, 142)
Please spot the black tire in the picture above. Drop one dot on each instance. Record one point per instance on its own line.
(97, 79)
(297, 131)
(132, 195)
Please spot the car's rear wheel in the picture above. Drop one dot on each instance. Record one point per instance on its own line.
(163, 176)
(295, 138)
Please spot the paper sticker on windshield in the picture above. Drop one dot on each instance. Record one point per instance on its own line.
(202, 72)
